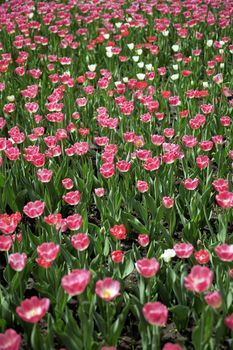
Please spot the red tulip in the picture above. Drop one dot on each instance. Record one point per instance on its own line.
(67, 183)
(142, 186)
(8, 223)
(44, 175)
(202, 256)
(147, 267)
(143, 240)
(72, 198)
(5, 243)
(99, 192)
(191, 184)
(80, 241)
(17, 261)
(107, 289)
(47, 253)
(199, 279)
(155, 313)
(107, 170)
(225, 199)
(117, 256)
(171, 346)
(74, 221)
(33, 310)
(34, 209)
(214, 299)
(229, 322)
(10, 340)
(220, 185)
(224, 252)
(168, 202)
(76, 281)
(118, 231)
(183, 250)
(202, 161)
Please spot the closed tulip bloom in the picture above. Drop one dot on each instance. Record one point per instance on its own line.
(147, 267)
(202, 256)
(99, 192)
(5, 243)
(168, 202)
(155, 313)
(17, 261)
(225, 199)
(202, 161)
(76, 281)
(74, 221)
(224, 252)
(67, 183)
(80, 241)
(143, 240)
(72, 198)
(117, 256)
(33, 310)
(44, 175)
(229, 322)
(47, 253)
(199, 279)
(214, 299)
(10, 340)
(183, 250)
(8, 223)
(220, 185)
(142, 186)
(118, 231)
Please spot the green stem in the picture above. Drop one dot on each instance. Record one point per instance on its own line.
(155, 338)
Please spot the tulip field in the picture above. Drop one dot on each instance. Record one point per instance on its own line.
(116, 175)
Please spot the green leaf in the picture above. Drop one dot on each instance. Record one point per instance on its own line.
(2, 180)
(203, 331)
(129, 267)
(118, 325)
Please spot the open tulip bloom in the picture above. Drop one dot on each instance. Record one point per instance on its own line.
(116, 158)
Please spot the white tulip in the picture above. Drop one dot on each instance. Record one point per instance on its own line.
(174, 76)
(140, 76)
(109, 54)
(135, 58)
(168, 254)
(92, 67)
(11, 98)
(165, 33)
(205, 84)
(139, 51)
(175, 66)
(140, 64)
(125, 79)
(175, 48)
(149, 66)
(131, 46)
(209, 43)
(117, 83)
